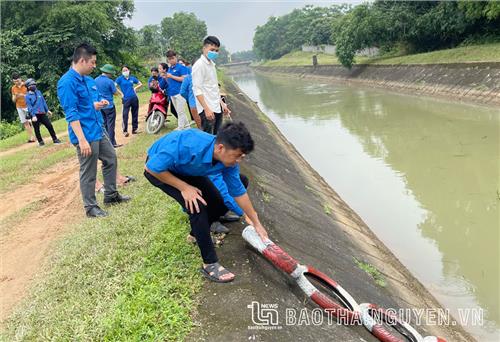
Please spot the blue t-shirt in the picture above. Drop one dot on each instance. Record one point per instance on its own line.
(174, 86)
(190, 152)
(106, 88)
(187, 91)
(127, 86)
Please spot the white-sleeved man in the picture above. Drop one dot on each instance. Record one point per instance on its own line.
(206, 87)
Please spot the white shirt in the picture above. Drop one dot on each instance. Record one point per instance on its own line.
(205, 83)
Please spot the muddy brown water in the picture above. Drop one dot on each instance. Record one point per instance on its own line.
(422, 173)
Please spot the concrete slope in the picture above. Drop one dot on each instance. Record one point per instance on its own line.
(290, 198)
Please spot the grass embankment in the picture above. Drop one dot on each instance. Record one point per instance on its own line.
(17, 168)
(466, 54)
(130, 276)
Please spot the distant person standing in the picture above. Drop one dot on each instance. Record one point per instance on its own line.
(19, 91)
(77, 92)
(175, 75)
(107, 88)
(39, 112)
(206, 87)
(128, 85)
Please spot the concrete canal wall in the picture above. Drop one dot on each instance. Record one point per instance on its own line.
(474, 82)
(310, 221)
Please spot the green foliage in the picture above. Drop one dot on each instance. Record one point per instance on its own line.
(184, 34)
(309, 25)
(243, 56)
(8, 129)
(38, 39)
(151, 42)
(413, 27)
(223, 55)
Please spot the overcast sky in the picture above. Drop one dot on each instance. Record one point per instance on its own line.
(233, 22)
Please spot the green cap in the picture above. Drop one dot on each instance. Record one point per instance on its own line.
(108, 69)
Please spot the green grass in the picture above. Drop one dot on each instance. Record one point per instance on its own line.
(26, 165)
(371, 270)
(466, 54)
(130, 276)
(17, 168)
(21, 138)
(327, 209)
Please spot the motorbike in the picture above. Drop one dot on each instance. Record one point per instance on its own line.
(157, 111)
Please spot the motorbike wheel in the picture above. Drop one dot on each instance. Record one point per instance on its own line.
(155, 122)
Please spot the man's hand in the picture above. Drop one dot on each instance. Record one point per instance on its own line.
(262, 232)
(49, 113)
(209, 114)
(191, 197)
(101, 104)
(33, 118)
(247, 219)
(169, 75)
(225, 109)
(85, 149)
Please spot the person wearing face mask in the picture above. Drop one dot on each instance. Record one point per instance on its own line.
(128, 85)
(39, 112)
(206, 87)
(19, 91)
(82, 104)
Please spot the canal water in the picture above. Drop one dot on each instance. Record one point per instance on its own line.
(422, 173)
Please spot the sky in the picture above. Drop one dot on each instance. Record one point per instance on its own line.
(233, 22)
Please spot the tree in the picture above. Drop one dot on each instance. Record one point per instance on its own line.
(38, 39)
(151, 42)
(243, 56)
(184, 33)
(224, 55)
(308, 25)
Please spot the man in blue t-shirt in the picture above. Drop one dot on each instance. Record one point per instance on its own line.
(188, 94)
(180, 164)
(81, 102)
(175, 75)
(107, 88)
(128, 85)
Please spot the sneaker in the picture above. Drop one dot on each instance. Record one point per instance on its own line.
(136, 132)
(31, 141)
(219, 228)
(125, 134)
(117, 145)
(41, 143)
(57, 142)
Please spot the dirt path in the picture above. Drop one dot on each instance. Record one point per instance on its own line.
(55, 204)
(28, 146)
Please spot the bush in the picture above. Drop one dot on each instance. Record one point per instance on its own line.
(8, 129)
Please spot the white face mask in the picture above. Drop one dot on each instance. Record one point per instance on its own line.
(125, 73)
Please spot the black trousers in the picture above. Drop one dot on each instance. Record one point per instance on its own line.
(189, 109)
(109, 116)
(42, 119)
(200, 222)
(131, 104)
(211, 126)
